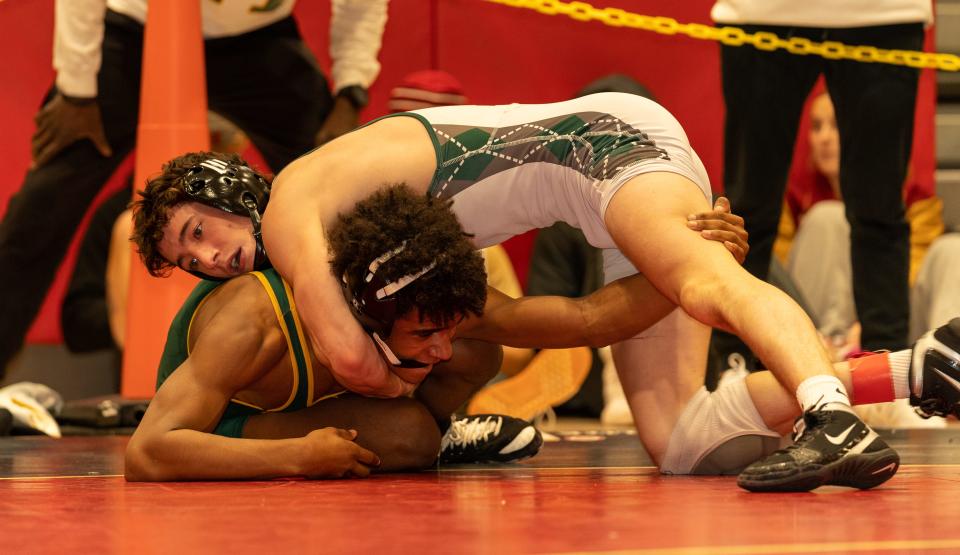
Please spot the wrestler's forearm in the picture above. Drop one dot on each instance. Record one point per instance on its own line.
(356, 364)
(298, 250)
(613, 313)
(192, 455)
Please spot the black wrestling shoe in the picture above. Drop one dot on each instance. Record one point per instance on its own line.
(489, 438)
(935, 372)
(831, 448)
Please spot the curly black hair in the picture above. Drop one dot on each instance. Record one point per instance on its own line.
(151, 211)
(455, 287)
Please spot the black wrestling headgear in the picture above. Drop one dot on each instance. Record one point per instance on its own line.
(373, 302)
(233, 188)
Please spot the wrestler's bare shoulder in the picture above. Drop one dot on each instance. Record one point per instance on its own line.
(391, 150)
(241, 302)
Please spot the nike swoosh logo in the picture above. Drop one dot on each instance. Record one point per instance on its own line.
(839, 439)
(951, 381)
(891, 466)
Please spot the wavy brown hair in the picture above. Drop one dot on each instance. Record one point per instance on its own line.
(455, 287)
(151, 212)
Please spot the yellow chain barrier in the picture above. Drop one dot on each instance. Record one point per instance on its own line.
(734, 36)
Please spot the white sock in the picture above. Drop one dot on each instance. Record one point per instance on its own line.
(900, 372)
(819, 390)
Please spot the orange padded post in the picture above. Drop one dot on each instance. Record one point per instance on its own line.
(173, 120)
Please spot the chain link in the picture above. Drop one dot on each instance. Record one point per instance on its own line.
(734, 36)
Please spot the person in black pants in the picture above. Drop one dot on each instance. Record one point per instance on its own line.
(764, 94)
(84, 316)
(265, 81)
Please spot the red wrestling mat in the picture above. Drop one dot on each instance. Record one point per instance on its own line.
(577, 496)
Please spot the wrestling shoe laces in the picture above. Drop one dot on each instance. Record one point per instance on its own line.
(489, 438)
(832, 446)
(935, 372)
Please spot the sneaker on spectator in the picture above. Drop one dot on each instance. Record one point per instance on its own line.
(897, 415)
(552, 377)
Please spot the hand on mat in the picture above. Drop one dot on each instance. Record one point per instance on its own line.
(63, 122)
(342, 119)
(332, 453)
(722, 225)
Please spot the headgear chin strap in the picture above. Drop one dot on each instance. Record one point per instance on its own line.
(373, 302)
(233, 188)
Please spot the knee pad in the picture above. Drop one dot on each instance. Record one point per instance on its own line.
(719, 433)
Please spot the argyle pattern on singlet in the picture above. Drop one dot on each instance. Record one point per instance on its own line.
(595, 144)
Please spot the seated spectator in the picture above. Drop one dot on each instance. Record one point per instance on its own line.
(934, 297)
